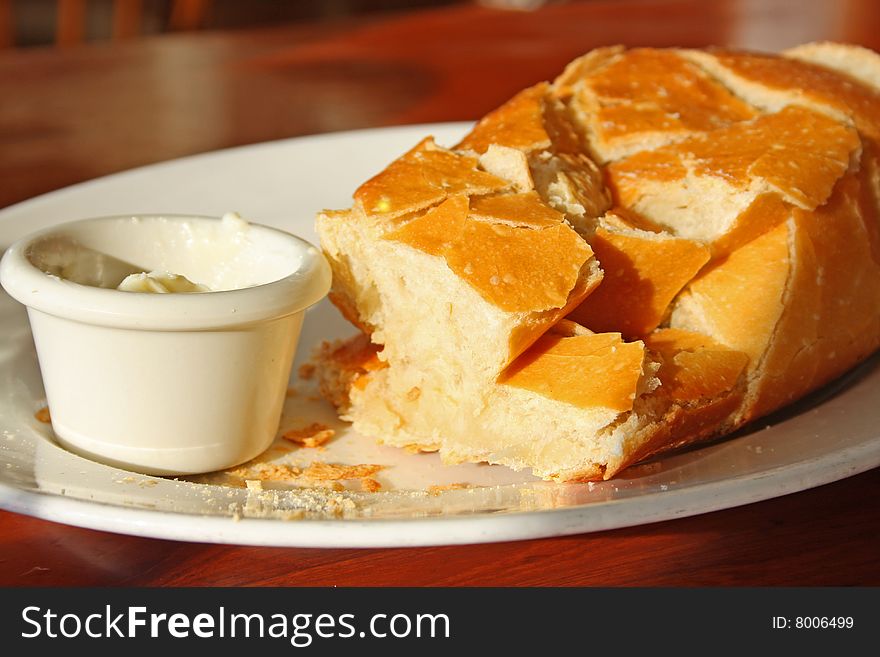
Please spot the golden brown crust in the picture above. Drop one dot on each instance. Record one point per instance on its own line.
(645, 98)
(585, 66)
(869, 195)
(683, 425)
(796, 152)
(422, 177)
(588, 371)
(701, 390)
(850, 60)
(766, 212)
(740, 299)
(516, 269)
(519, 124)
(533, 142)
(529, 331)
(643, 273)
(832, 315)
(694, 366)
(801, 301)
(814, 85)
(524, 210)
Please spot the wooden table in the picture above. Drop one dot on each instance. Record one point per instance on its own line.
(70, 115)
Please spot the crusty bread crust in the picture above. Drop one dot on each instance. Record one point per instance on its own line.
(740, 268)
(853, 61)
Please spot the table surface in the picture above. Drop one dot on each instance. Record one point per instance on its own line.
(74, 114)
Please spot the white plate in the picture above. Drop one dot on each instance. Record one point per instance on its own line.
(830, 436)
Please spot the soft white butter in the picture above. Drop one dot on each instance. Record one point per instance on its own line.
(232, 221)
(160, 282)
(216, 256)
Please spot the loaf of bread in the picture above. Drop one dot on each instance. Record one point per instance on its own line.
(657, 247)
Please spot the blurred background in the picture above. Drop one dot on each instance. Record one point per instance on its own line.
(91, 87)
(67, 22)
(25, 23)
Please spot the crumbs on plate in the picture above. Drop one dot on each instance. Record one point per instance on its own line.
(370, 485)
(266, 472)
(338, 472)
(318, 474)
(314, 435)
(436, 490)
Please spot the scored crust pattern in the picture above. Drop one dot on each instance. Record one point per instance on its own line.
(709, 220)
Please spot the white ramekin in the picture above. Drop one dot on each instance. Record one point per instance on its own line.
(166, 384)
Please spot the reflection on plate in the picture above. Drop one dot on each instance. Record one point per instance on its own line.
(827, 437)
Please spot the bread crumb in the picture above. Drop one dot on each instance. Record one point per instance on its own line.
(314, 435)
(413, 394)
(436, 490)
(265, 472)
(335, 471)
(370, 485)
(415, 448)
(43, 415)
(254, 485)
(306, 371)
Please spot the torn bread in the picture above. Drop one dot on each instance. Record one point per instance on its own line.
(576, 405)
(708, 219)
(458, 249)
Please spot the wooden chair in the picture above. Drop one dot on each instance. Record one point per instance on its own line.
(71, 15)
(5, 23)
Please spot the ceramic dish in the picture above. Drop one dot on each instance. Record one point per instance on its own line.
(162, 383)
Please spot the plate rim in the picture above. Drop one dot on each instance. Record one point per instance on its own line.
(422, 531)
(230, 150)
